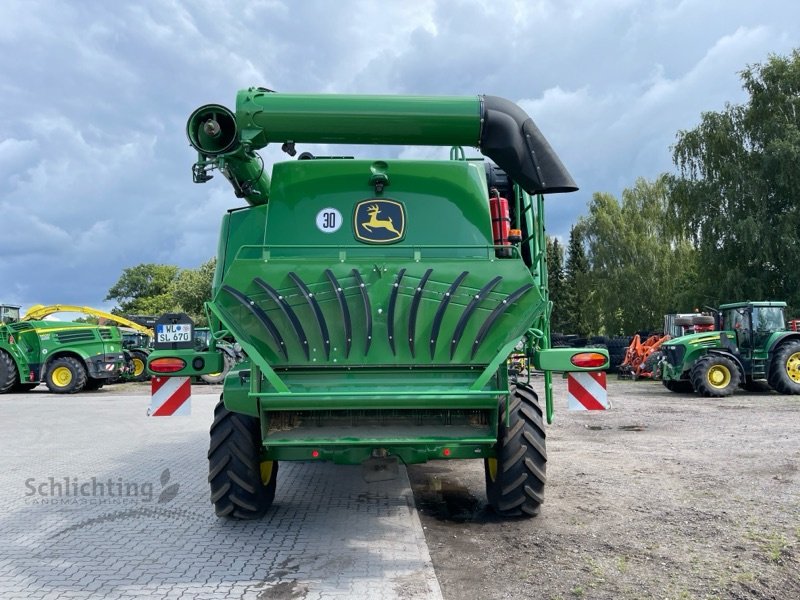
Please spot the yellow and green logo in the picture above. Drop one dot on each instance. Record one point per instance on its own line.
(379, 221)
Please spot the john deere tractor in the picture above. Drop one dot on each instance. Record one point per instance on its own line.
(750, 348)
(378, 300)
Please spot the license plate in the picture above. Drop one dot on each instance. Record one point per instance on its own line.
(168, 334)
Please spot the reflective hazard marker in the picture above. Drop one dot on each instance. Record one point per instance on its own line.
(170, 396)
(587, 391)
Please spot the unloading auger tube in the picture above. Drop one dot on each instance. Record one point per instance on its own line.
(500, 129)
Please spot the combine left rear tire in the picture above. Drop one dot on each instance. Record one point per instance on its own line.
(242, 485)
(515, 478)
(784, 375)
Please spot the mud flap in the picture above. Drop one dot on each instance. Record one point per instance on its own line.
(382, 468)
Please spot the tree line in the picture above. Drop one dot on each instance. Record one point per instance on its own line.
(154, 289)
(724, 227)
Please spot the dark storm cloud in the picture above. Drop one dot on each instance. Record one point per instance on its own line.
(94, 165)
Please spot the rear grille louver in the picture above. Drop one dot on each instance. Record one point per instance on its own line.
(286, 322)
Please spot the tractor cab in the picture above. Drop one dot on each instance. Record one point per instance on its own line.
(9, 313)
(753, 323)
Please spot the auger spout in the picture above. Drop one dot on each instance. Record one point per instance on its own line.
(500, 129)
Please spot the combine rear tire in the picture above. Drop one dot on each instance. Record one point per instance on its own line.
(715, 376)
(65, 375)
(242, 485)
(784, 374)
(679, 386)
(8, 373)
(515, 478)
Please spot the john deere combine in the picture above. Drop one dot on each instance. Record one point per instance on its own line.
(378, 300)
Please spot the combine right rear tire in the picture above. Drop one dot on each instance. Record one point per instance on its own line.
(715, 376)
(242, 485)
(8, 372)
(515, 478)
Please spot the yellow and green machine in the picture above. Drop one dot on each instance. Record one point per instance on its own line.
(376, 306)
(750, 347)
(69, 357)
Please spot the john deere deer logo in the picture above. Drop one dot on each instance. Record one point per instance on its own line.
(379, 221)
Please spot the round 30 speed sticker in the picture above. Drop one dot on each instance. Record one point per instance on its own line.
(329, 220)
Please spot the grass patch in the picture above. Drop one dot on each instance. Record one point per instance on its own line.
(773, 544)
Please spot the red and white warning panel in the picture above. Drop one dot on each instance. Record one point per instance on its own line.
(170, 396)
(587, 391)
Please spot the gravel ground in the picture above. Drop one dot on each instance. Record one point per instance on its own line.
(664, 496)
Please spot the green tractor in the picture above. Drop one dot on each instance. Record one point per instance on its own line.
(377, 301)
(68, 357)
(751, 348)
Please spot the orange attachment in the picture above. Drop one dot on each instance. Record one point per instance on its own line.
(637, 354)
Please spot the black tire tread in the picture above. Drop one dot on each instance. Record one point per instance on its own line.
(779, 379)
(234, 472)
(518, 490)
(8, 372)
(698, 376)
(143, 376)
(79, 376)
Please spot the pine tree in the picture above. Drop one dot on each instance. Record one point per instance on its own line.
(555, 281)
(575, 294)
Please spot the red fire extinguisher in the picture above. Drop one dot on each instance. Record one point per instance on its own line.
(501, 222)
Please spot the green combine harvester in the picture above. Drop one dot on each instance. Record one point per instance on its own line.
(378, 301)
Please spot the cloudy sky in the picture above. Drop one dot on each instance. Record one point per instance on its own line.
(94, 163)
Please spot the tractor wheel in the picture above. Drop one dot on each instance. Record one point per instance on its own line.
(139, 364)
(8, 372)
(515, 478)
(65, 375)
(715, 376)
(242, 485)
(227, 363)
(679, 386)
(784, 374)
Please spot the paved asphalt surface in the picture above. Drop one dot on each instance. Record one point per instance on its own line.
(99, 500)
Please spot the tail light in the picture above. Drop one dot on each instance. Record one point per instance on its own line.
(167, 365)
(588, 360)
